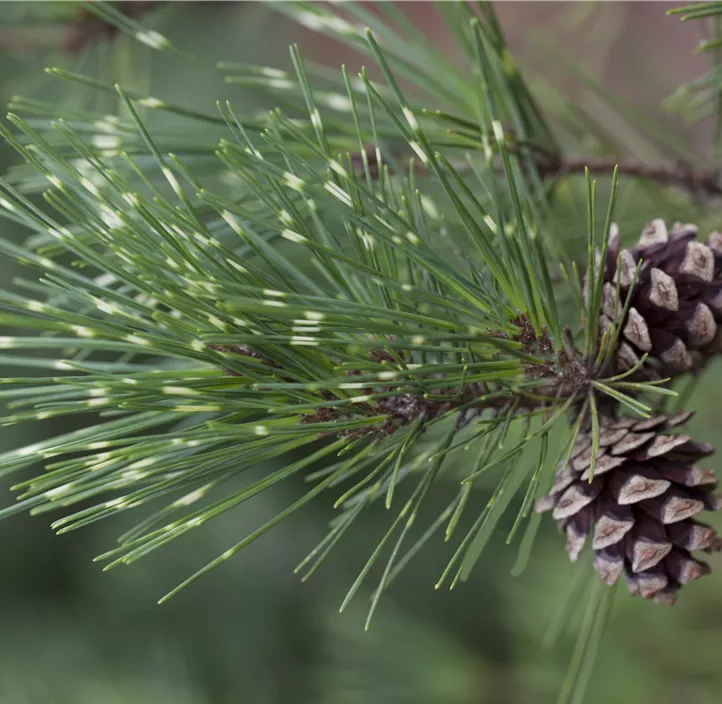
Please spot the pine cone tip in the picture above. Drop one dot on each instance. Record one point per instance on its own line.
(640, 506)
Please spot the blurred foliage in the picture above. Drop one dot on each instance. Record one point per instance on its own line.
(252, 632)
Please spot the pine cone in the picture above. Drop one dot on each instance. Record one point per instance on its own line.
(675, 305)
(639, 505)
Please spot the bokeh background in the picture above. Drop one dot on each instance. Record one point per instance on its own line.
(251, 631)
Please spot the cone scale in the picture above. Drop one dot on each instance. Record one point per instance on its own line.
(640, 510)
(675, 307)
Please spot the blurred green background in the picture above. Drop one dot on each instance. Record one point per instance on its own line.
(251, 631)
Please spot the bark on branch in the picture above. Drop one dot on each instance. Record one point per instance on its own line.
(695, 180)
(674, 173)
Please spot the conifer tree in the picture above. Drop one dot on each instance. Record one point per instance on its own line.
(372, 286)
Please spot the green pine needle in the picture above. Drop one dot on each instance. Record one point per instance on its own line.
(358, 287)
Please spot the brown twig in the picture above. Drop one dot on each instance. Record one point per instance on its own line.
(244, 351)
(562, 374)
(403, 408)
(71, 35)
(673, 173)
(89, 28)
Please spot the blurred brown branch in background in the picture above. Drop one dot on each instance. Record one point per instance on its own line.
(90, 28)
(695, 180)
(673, 173)
(71, 35)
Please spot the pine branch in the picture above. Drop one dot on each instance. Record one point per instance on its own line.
(71, 33)
(696, 181)
(89, 28)
(257, 292)
(676, 173)
(269, 295)
(231, 354)
(702, 97)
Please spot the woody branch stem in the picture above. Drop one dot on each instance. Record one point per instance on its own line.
(671, 173)
(674, 173)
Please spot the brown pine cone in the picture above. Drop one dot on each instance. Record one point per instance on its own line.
(640, 505)
(675, 305)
